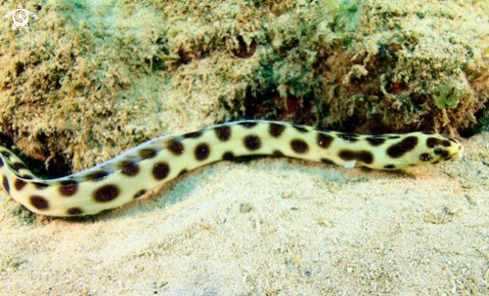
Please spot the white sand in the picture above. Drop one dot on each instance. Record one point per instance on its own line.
(268, 227)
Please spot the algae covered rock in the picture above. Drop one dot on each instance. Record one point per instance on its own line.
(91, 79)
(413, 64)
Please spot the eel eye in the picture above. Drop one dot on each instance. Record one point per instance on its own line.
(441, 152)
(446, 143)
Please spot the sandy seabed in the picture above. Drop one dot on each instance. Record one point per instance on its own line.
(268, 227)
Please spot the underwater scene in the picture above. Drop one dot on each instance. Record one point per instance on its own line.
(327, 147)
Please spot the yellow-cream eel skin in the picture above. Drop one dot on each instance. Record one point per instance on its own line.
(151, 164)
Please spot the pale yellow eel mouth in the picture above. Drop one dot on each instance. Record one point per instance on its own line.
(149, 165)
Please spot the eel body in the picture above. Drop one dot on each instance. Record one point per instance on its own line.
(151, 164)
